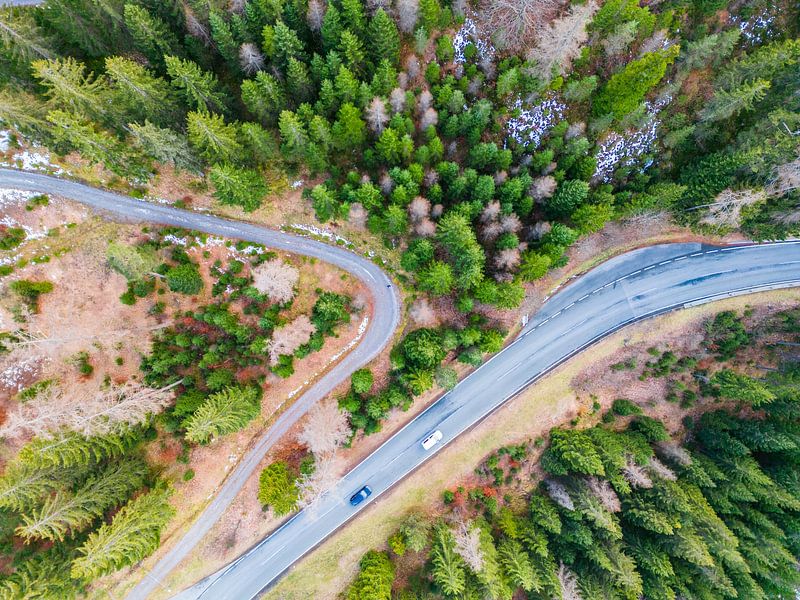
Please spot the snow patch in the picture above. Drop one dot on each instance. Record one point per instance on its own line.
(531, 125)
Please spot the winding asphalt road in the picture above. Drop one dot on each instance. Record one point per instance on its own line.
(626, 289)
(379, 332)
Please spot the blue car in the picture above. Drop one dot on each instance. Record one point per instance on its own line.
(361, 495)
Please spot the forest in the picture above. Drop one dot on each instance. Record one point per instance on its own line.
(477, 141)
(619, 508)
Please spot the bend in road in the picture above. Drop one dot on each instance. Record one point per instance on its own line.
(384, 321)
(634, 286)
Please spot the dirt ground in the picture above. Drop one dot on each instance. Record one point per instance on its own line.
(559, 398)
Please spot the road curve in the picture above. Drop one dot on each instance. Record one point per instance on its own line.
(384, 321)
(629, 288)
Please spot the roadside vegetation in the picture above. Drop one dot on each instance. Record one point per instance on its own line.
(624, 508)
(476, 141)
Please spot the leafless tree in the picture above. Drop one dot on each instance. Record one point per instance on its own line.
(412, 66)
(661, 470)
(358, 215)
(431, 177)
(276, 279)
(657, 41)
(402, 80)
(500, 177)
(490, 212)
(636, 475)
(376, 115)
(785, 180)
(516, 23)
(543, 187)
(474, 86)
(459, 7)
(422, 313)
(325, 429)
(560, 41)
(510, 223)
(603, 491)
(315, 14)
(287, 339)
(437, 211)
(425, 228)
(539, 229)
(570, 590)
(467, 538)
(313, 486)
(429, 118)
(250, 58)
(507, 259)
(373, 5)
(397, 100)
(87, 408)
(387, 183)
(674, 453)
(491, 231)
(559, 494)
(195, 27)
(424, 102)
(407, 14)
(237, 6)
(620, 38)
(727, 207)
(419, 208)
(575, 130)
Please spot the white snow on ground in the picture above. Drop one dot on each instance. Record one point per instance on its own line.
(531, 125)
(34, 159)
(14, 198)
(5, 137)
(469, 34)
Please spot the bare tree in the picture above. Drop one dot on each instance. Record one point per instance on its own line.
(422, 313)
(543, 188)
(658, 41)
(276, 279)
(424, 102)
(575, 130)
(560, 41)
(412, 66)
(407, 14)
(727, 207)
(326, 428)
(507, 259)
(429, 118)
(287, 339)
(559, 494)
(376, 115)
(510, 223)
(425, 228)
(402, 80)
(467, 538)
(491, 231)
(490, 212)
(387, 183)
(397, 100)
(315, 14)
(358, 215)
(636, 475)
(437, 211)
(313, 486)
(237, 6)
(87, 408)
(786, 179)
(603, 491)
(250, 58)
(538, 231)
(195, 27)
(674, 453)
(621, 38)
(661, 470)
(516, 23)
(431, 178)
(570, 590)
(419, 208)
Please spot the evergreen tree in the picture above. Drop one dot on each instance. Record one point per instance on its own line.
(349, 130)
(331, 31)
(94, 144)
(235, 186)
(264, 97)
(374, 581)
(384, 38)
(214, 140)
(726, 104)
(151, 35)
(448, 567)
(164, 145)
(139, 95)
(353, 17)
(294, 137)
(199, 89)
(222, 413)
(133, 534)
(286, 45)
(224, 39)
(68, 87)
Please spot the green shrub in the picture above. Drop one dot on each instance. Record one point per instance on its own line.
(30, 291)
(276, 488)
(624, 408)
(185, 279)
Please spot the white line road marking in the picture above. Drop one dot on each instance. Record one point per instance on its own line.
(648, 268)
(681, 258)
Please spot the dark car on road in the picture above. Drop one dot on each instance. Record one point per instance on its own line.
(361, 495)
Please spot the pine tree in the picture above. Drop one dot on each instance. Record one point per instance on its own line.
(298, 82)
(349, 130)
(138, 94)
(94, 144)
(448, 567)
(69, 87)
(213, 139)
(430, 14)
(264, 97)
(151, 35)
(352, 51)
(384, 38)
(234, 186)
(23, 111)
(164, 145)
(286, 45)
(23, 486)
(726, 104)
(74, 450)
(518, 566)
(331, 31)
(294, 138)
(200, 89)
(224, 39)
(374, 581)
(21, 39)
(222, 413)
(65, 512)
(134, 533)
(93, 27)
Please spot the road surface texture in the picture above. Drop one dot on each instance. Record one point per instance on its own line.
(626, 289)
(385, 318)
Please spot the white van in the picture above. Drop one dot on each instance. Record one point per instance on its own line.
(431, 440)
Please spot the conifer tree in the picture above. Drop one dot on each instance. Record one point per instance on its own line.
(69, 87)
(151, 35)
(138, 94)
(264, 97)
(235, 186)
(224, 412)
(164, 145)
(134, 533)
(199, 89)
(214, 140)
(224, 39)
(384, 38)
(332, 28)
